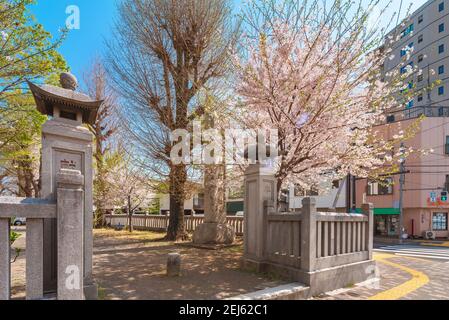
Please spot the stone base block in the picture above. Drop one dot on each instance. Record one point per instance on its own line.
(326, 280)
(320, 281)
(174, 265)
(213, 233)
(292, 291)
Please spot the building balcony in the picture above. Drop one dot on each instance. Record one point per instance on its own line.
(416, 112)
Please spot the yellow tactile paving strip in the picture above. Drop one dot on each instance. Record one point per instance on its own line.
(430, 244)
(418, 280)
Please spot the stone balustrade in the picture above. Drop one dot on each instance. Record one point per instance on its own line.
(312, 240)
(325, 251)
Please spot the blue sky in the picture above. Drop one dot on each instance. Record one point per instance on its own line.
(81, 46)
(96, 18)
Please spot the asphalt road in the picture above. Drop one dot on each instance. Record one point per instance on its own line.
(422, 251)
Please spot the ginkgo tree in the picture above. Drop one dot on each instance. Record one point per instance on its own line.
(313, 72)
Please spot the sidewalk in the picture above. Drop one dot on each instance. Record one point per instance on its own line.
(401, 278)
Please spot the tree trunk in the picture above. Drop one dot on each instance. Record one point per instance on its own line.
(130, 216)
(176, 228)
(100, 220)
(25, 180)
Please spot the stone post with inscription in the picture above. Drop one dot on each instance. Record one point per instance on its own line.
(66, 145)
(70, 203)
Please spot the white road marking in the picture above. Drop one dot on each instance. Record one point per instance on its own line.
(416, 251)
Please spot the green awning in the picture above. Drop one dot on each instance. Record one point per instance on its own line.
(384, 211)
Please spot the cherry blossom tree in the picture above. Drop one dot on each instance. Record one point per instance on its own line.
(317, 78)
(130, 186)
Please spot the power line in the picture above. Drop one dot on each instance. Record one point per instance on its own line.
(424, 189)
(427, 166)
(429, 172)
(399, 13)
(421, 184)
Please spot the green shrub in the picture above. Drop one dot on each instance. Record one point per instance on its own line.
(13, 236)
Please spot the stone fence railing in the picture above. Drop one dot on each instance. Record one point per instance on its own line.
(324, 251)
(68, 212)
(312, 240)
(160, 223)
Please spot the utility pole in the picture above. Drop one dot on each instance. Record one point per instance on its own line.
(354, 194)
(348, 193)
(401, 193)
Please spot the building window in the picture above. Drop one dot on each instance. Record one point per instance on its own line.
(420, 38)
(407, 49)
(409, 87)
(441, 48)
(441, 7)
(420, 98)
(407, 31)
(198, 201)
(380, 188)
(301, 192)
(440, 69)
(420, 78)
(410, 104)
(439, 221)
(335, 184)
(441, 28)
(420, 19)
(441, 90)
(406, 68)
(420, 58)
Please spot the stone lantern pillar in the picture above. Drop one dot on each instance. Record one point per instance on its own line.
(66, 144)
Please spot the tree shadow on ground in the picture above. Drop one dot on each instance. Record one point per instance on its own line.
(138, 273)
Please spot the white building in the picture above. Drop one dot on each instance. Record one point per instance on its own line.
(164, 202)
(335, 198)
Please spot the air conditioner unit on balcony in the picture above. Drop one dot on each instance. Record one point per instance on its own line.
(429, 235)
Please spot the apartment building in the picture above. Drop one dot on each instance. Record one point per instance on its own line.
(421, 41)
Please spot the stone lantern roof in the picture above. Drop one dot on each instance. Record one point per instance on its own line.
(65, 98)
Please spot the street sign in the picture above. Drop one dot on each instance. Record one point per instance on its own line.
(433, 197)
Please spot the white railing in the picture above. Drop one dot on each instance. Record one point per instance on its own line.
(160, 223)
